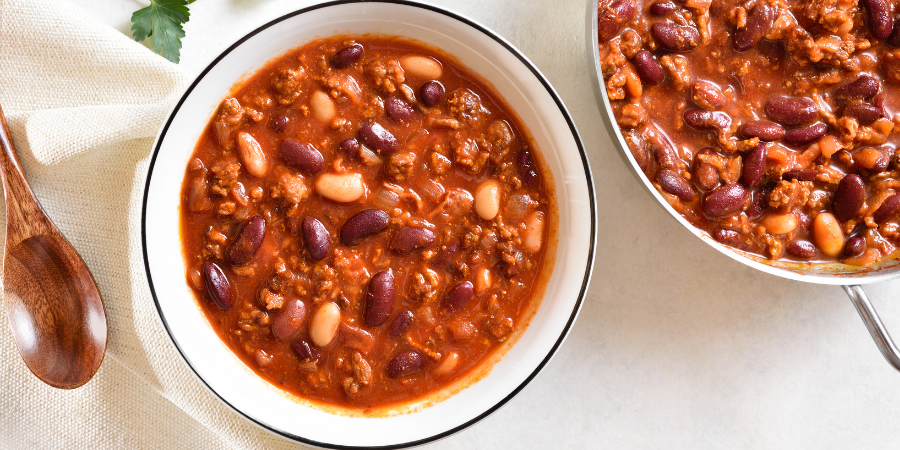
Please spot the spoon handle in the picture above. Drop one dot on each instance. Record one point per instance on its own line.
(24, 214)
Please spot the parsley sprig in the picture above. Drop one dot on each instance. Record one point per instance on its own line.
(162, 21)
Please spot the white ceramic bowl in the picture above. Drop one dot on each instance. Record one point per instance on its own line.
(526, 91)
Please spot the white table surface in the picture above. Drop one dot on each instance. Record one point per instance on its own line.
(677, 346)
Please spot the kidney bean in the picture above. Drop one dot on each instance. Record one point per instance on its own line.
(802, 249)
(731, 238)
(380, 298)
(374, 136)
(706, 177)
(459, 296)
(363, 224)
(638, 147)
(806, 135)
(289, 320)
(674, 184)
(675, 38)
(800, 174)
(300, 156)
(707, 95)
(881, 17)
(707, 120)
(754, 166)
(347, 56)
(894, 39)
(855, 246)
(871, 159)
(665, 156)
(888, 208)
(758, 23)
(350, 148)
(662, 8)
(280, 123)
(316, 237)
(611, 19)
(217, 285)
(399, 110)
(447, 253)
(432, 93)
(864, 113)
(648, 68)
(725, 200)
(863, 87)
(849, 197)
(527, 168)
(409, 239)
(792, 110)
(400, 323)
(762, 129)
(305, 351)
(759, 204)
(405, 363)
(247, 241)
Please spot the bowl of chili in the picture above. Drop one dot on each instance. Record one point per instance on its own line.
(767, 157)
(210, 223)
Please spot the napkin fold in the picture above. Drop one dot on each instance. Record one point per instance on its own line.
(84, 103)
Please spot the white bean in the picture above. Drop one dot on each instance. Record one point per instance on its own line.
(487, 199)
(422, 67)
(251, 154)
(780, 223)
(827, 234)
(482, 279)
(323, 109)
(534, 232)
(448, 364)
(324, 324)
(344, 187)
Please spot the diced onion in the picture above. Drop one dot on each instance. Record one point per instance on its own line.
(368, 156)
(386, 199)
(489, 240)
(518, 206)
(432, 189)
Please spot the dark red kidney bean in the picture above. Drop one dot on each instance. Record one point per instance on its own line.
(665, 156)
(762, 129)
(759, 203)
(754, 166)
(217, 285)
(363, 224)
(316, 237)
(707, 95)
(638, 147)
(888, 208)
(350, 148)
(289, 320)
(855, 246)
(792, 110)
(758, 23)
(894, 39)
(459, 296)
(725, 200)
(675, 38)
(863, 87)
(800, 174)
(650, 71)
(380, 298)
(447, 253)
(611, 18)
(280, 123)
(849, 197)
(401, 323)
(399, 110)
(374, 136)
(305, 351)
(432, 93)
(300, 156)
(347, 56)
(707, 120)
(662, 8)
(527, 168)
(674, 184)
(706, 176)
(409, 239)
(247, 241)
(802, 249)
(881, 17)
(731, 238)
(806, 135)
(405, 363)
(864, 113)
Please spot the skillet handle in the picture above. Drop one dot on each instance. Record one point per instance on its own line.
(873, 324)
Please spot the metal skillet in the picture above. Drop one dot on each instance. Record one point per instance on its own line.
(850, 278)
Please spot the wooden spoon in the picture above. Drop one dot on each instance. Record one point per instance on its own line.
(54, 308)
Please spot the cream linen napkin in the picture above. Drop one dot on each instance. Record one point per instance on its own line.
(84, 103)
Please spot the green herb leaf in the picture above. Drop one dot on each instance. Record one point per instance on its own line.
(162, 21)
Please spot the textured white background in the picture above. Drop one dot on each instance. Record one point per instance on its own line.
(676, 347)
